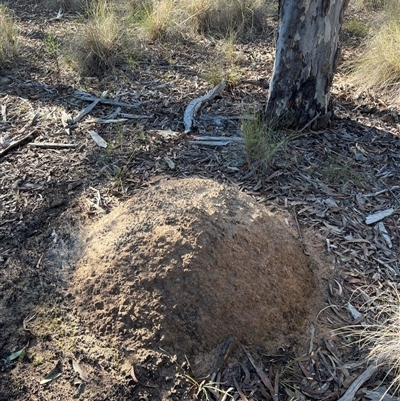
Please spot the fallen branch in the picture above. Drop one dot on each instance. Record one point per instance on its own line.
(194, 106)
(53, 145)
(352, 390)
(16, 143)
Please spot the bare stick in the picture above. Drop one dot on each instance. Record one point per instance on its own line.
(310, 122)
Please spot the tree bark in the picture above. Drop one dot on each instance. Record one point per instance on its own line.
(307, 54)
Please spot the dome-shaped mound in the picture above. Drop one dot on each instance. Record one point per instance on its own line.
(186, 263)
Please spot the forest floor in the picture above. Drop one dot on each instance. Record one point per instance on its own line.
(326, 187)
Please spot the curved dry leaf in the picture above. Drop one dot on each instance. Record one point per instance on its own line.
(79, 369)
(54, 374)
(15, 355)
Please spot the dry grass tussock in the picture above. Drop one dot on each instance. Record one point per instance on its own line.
(379, 66)
(113, 28)
(8, 36)
(380, 337)
(219, 18)
(105, 40)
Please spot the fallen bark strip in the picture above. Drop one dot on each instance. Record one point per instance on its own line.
(352, 390)
(85, 111)
(89, 98)
(264, 378)
(215, 140)
(88, 109)
(194, 106)
(16, 143)
(53, 145)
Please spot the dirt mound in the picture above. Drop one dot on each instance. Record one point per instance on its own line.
(189, 262)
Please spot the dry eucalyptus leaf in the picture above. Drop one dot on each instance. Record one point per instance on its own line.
(80, 370)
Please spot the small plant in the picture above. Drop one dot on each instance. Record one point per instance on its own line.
(335, 172)
(38, 359)
(203, 390)
(51, 44)
(356, 27)
(262, 141)
(8, 36)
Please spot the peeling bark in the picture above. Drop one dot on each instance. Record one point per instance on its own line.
(307, 54)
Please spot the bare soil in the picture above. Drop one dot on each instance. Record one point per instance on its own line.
(188, 263)
(130, 270)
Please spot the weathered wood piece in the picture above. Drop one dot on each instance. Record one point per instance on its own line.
(194, 106)
(98, 139)
(374, 218)
(352, 390)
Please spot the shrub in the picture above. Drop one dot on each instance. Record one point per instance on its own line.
(8, 36)
(181, 18)
(104, 41)
(379, 66)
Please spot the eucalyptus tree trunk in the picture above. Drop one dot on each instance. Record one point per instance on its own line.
(306, 58)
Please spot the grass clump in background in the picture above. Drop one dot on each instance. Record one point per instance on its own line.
(105, 40)
(379, 67)
(225, 64)
(8, 36)
(218, 18)
(369, 5)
